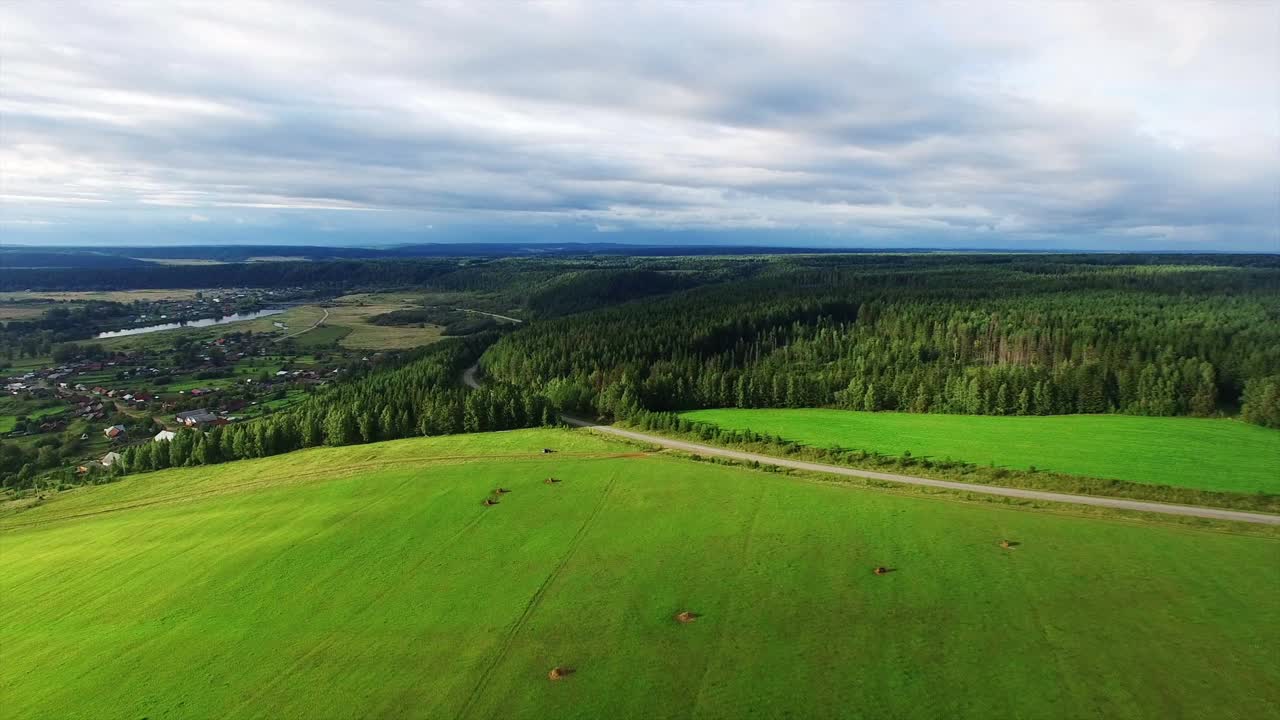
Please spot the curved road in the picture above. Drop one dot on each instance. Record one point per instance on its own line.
(314, 325)
(469, 379)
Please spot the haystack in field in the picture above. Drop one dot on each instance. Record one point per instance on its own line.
(684, 616)
(559, 673)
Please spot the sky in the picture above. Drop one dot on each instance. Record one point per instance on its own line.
(1038, 125)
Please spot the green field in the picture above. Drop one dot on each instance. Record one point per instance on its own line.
(1205, 454)
(370, 581)
(7, 422)
(323, 336)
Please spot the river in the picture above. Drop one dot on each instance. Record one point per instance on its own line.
(206, 322)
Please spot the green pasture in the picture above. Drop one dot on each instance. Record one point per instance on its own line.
(371, 581)
(1205, 454)
(322, 336)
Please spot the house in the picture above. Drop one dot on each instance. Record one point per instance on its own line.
(115, 432)
(165, 435)
(194, 418)
(110, 459)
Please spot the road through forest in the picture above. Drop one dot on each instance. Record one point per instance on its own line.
(469, 378)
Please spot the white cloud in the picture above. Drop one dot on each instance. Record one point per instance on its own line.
(1136, 120)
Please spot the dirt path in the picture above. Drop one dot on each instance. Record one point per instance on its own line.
(314, 325)
(1152, 507)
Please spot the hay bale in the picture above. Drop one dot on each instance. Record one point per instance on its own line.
(559, 673)
(881, 570)
(551, 480)
(501, 491)
(686, 617)
(490, 502)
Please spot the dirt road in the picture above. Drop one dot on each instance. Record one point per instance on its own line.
(1152, 507)
(314, 325)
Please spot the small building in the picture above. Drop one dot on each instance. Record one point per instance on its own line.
(165, 436)
(114, 432)
(196, 418)
(110, 459)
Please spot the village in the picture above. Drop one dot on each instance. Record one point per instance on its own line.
(79, 413)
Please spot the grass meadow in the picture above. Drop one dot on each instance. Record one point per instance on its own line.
(1199, 453)
(371, 581)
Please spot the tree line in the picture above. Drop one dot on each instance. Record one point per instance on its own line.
(1023, 337)
(420, 397)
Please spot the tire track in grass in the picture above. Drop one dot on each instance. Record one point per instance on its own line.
(333, 639)
(534, 601)
(131, 650)
(723, 622)
(262, 691)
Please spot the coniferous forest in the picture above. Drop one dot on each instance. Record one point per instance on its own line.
(1005, 336)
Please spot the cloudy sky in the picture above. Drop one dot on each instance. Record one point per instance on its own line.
(969, 124)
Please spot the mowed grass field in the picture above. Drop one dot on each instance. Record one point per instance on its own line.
(364, 335)
(370, 581)
(1206, 454)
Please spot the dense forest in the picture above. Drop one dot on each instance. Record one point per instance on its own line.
(999, 335)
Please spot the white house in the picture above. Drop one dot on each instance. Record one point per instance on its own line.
(110, 459)
(165, 435)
